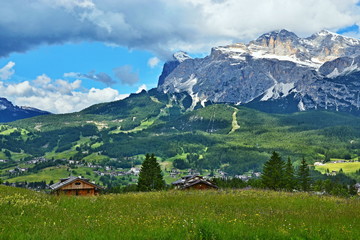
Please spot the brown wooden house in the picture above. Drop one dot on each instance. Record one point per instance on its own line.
(75, 186)
(195, 182)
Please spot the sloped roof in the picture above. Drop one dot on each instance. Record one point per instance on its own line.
(199, 181)
(66, 181)
(184, 179)
(191, 180)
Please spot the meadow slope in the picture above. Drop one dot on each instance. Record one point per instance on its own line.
(246, 214)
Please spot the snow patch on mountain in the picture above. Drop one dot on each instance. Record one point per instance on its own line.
(277, 91)
(348, 70)
(301, 106)
(181, 56)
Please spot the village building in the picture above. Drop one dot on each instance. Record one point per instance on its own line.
(134, 171)
(174, 172)
(195, 182)
(75, 186)
(357, 186)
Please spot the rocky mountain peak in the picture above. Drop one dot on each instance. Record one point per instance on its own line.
(181, 56)
(4, 104)
(318, 72)
(278, 35)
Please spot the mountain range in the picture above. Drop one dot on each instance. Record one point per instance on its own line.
(278, 72)
(9, 112)
(201, 112)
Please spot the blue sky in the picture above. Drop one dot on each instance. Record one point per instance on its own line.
(84, 58)
(64, 55)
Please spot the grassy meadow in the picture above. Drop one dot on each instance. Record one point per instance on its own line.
(347, 167)
(242, 214)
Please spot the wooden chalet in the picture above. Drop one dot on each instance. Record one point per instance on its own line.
(195, 182)
(75, 186)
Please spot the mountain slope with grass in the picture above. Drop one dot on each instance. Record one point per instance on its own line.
(226, 137)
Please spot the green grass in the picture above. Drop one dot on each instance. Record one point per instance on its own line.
(96, 145)
(94, 157)
(61, 155)
(18, 156)
(349, 167)
(175, 215)
(8, 131)
(2, 155)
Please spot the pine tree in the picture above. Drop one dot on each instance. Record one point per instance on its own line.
(289, 176)
(303, 175)
(150, 177)
(273, 173)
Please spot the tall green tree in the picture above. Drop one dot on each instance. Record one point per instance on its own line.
(150, 177)
(273, 172)
(303, 176)
(289, 176)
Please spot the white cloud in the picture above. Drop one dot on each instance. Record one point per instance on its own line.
(56, 96)
(72, 74)
(126, 74)
(42, 80)
(99, 77)
(7, 71)
(153, 62)
(162, 26)
(141, 87)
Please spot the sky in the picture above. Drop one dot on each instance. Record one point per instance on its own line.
(65, 55)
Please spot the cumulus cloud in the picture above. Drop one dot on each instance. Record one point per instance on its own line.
(162, 26)
(7, 71)
(99, 77)
(153, 62)
(57, 96)
(141, 87)
(126, 74)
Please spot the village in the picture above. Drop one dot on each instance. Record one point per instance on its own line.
(95, 177)
(99, 173)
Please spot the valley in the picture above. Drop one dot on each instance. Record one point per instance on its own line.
(219, 137)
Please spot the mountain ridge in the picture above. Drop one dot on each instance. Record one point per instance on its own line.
(272, 67)
(10, 112)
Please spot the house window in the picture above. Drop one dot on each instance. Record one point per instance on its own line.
(78, 183)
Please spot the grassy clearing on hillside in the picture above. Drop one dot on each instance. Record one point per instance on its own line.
(348, 167)
(178, 215)
(61, 155)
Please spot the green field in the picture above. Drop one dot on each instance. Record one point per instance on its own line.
(348, 167)
(247, 214)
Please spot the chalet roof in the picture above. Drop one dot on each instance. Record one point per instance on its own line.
(198, 181)
(66, 181)
(191, 180)
(184, 179)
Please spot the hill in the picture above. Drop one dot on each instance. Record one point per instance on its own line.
(227, 137)
(249, 214)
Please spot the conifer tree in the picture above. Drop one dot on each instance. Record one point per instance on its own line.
(150, 177)
(303, 175)
(289, 176)
(273, 172)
